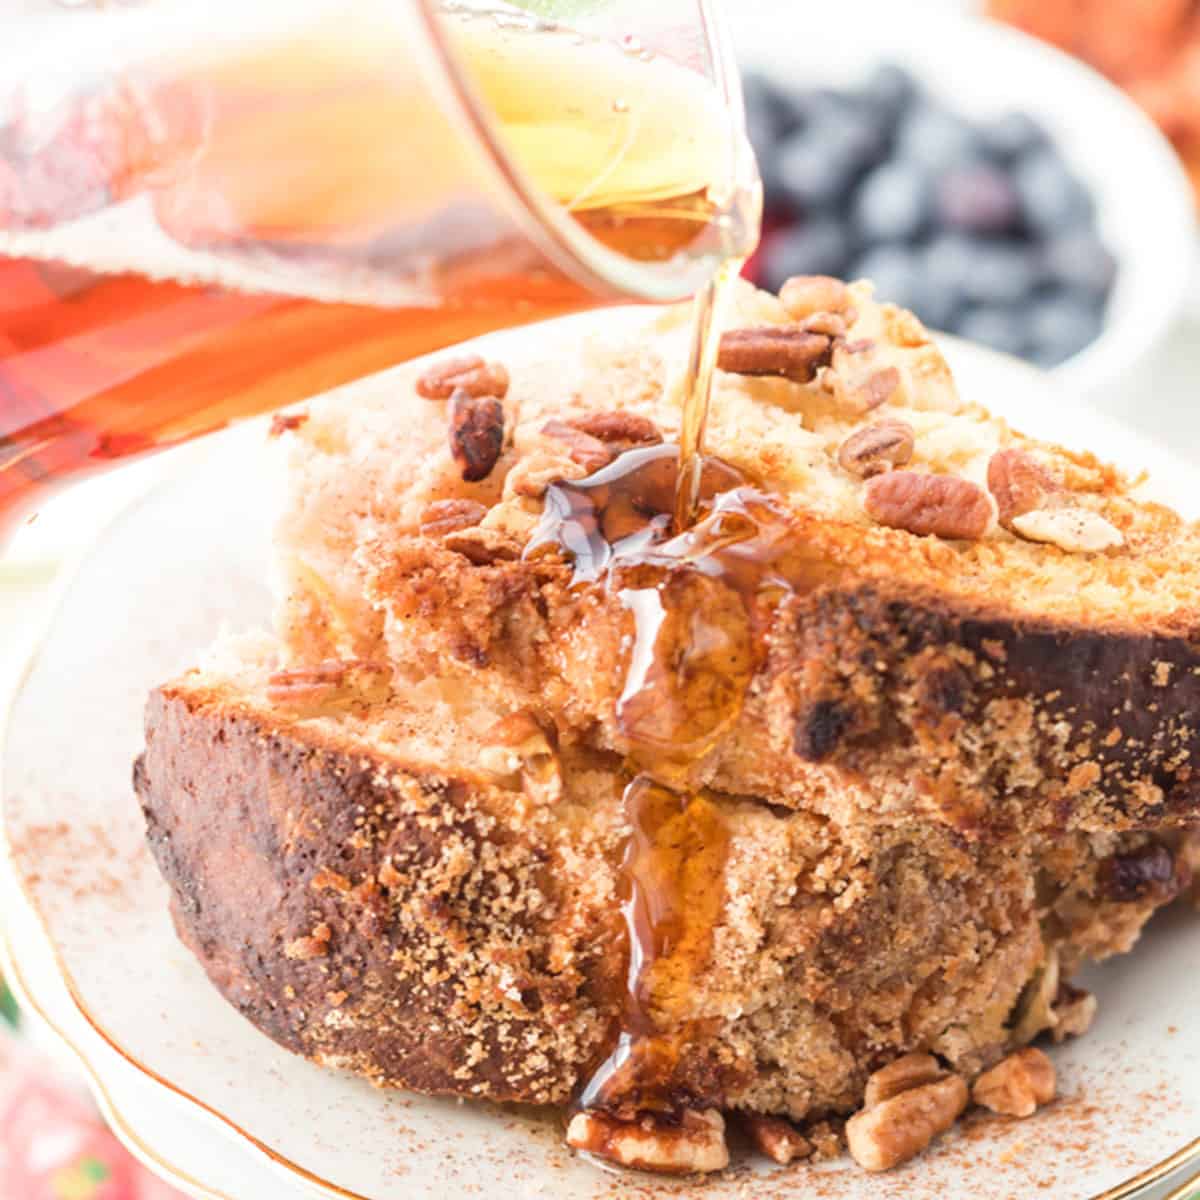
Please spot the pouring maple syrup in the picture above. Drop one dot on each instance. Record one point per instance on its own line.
(189, 242)
(701, 597)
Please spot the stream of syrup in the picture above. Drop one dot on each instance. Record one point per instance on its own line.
(700, 598)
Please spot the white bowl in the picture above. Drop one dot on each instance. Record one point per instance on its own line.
(1144, 202)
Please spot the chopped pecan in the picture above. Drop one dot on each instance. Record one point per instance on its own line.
(1075, 530)
(807, 295)
(588, 451)
(898, 1128)
(286, 422)
(901, 1075)
(1018, 483)
(856, 378)
(778, 1139)
(832, 325)
(476, 433)
(696, 1143)
(1018, 1085)
(1144, 874)
(469, 374)
(774, 350)
(445, 516)
(619, 428)
(877, 448)
(1074, 1012)
(942, 505)
(329, 687)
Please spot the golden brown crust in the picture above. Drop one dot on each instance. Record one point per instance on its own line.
(427, 927)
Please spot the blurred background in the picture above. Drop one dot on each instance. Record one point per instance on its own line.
(1022, 173)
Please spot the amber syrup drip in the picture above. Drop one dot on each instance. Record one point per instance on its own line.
(700, 601)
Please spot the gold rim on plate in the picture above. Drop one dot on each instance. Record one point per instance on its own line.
(1188, 1154)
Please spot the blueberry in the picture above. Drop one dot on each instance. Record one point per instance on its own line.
(893, 204)
(816, 247)
(934, 138)
(977, 198)
(895, 271)
(1000, 273)
(816, 167)
(1002, 329)
(1080, 261)
(1052, 199)
(1060, 325)
(890, 90)
(1007, 137)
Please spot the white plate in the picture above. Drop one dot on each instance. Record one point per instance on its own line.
(200, 1090)
(1144, 202)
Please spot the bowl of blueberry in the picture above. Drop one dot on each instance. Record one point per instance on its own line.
(1006, 193)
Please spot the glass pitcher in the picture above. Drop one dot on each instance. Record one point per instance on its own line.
(210, 211)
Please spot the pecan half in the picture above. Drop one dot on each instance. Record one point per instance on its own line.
(899, 1128)
(856, 379)
(877, 448)
(619, 428)
(588, 451)
(901, 1075)
(1018, 483)
(806, 295)
(942, 505)
(476, 433)
(329, 687)
(776, 1138)
(696, 1143)
(781, 350)
(445, 516)
(1018, 1085)
(470, 374)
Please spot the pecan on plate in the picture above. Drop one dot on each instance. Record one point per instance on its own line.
(877, 448)
(777, 1139)
(781, 350)
(897, 1129)
(695, 1144)
(901, 1075)
(476, 433)
(470, 374)
(942, 505)
(1017, 1085)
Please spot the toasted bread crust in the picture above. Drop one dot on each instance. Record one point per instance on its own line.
(431, 930)
(351, 911)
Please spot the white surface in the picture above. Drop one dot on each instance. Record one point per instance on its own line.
(149, 589)
(1144, 202)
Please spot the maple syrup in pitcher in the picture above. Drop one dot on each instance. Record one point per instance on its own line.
(198, 238)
